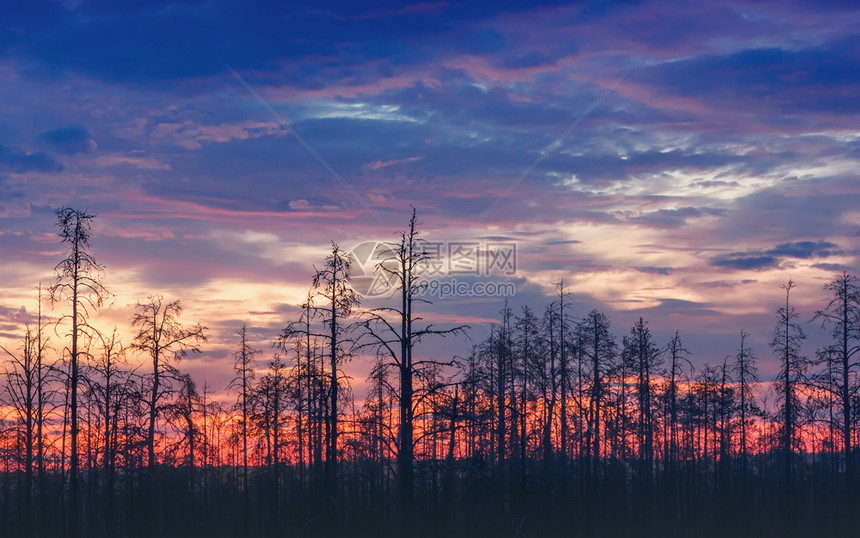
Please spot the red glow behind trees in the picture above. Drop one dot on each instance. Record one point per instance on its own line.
(541, 405)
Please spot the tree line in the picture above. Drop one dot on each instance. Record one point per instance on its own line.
(549, 426)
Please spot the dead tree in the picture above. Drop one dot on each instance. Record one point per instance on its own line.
(392, 332)
(840, 379)
(243, 366)
(339, 299)
(842, 316)
(162, 337)
(745, 373)
(788, 336)
(78, 281)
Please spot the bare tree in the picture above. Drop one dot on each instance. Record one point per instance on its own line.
(164, 339)
(271, 394)
(396, 339)
(746, 374)
(678, 364)
(788, 336)
(842, 316)
(303, 339)
(563, 367)
(643, 356)
(243, 366)
(339, 299)
(78, 281)
(599, 350)
(106, 382)
(23, 376)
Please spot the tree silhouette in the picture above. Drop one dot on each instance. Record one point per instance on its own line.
(842, 316)
(332, 283)
(787, 338)
(162, 337)
(243, 366)
(397, 342)
(79, 281)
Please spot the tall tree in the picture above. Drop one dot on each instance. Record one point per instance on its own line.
(22, 379)
(106, 382)
(643, 357)
(745, 373)
(501, 352)
(339, 299)
(551, 384)
(303, 339)
(842, 316)
(396, 340)
(243, 367)
(271, 394)
(678, 364)
(78, 281)
(564, 377)
(528, 348)
(788, 336)
(599, 350)
(163, 337)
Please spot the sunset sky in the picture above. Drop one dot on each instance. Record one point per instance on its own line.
(724, 162)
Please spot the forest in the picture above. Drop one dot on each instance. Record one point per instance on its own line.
(556, 424)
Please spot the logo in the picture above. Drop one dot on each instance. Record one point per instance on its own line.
(372, 269)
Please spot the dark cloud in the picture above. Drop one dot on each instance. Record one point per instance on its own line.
(674, 218)
(69, 140)
(655, 270)
(805, 249)
(773, 257)
(725, 283)
(670, 307)
(526, 60)
(21, 161)
(802, 214)
(778, 78)
(152, 43)
(832, 267)
(745, 261)
(566, 242)
(15, 315)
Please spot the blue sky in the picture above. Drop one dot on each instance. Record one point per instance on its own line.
(722, 164)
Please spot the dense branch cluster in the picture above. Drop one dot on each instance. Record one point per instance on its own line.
(550, 426)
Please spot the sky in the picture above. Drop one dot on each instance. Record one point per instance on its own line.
(673, 161)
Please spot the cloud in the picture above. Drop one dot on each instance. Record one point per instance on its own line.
(68, 140)
(674, 218)
(21, 161)
(725, 283)
(780, 79)
(16, 316)
(833, 267)
(655, 270)
(377, 165)
(669, 306)
(805, 249)
(772, 257)
(739, 260)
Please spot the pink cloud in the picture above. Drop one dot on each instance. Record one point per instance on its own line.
(377, 165)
